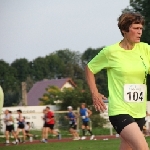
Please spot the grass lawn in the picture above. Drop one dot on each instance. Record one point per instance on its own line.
(112, 144)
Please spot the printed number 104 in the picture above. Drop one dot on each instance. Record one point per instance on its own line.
(135, 96)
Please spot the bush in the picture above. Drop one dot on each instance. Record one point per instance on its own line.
(97, 120)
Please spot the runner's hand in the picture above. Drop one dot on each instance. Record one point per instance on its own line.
(98, 101)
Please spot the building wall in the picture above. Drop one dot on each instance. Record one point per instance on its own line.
(67, 85)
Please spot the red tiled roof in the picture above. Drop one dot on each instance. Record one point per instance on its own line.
(39, 88)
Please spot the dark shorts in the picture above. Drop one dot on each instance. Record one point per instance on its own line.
(21, 126)
(122, 120)
(44, 125)
(26, 131)
(85, 123)
(10, 128)
(73, 126)
(51, 126)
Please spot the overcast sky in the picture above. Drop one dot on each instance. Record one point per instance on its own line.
(33, 28)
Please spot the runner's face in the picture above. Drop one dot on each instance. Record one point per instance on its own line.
(82, 106)
(134, 34)
(18, 112)
(6, 112)
(47, 109)
(70, 109)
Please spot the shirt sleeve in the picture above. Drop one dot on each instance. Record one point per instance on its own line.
(99, 62)
(52, 114)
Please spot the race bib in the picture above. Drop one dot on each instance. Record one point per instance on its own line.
(134, 92)
(83, 117)
(70, 122)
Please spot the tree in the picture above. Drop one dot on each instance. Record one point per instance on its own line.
(69, 57)
(89, 54)
(7, 76)
(22, 68)
(52, 96)
(101, 77)
(68, 96)
(75, 97)
(40, 69)
(12, 98)
(9, 83)
(72, 63)
(56, 66)
(143, 6)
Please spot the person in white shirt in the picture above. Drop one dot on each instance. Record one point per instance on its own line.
(27, 131)
(9, 126)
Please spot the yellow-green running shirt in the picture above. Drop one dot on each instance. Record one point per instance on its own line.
(124, 68)
(1, 99)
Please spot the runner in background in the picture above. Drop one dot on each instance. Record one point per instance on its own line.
(50, 122)
(21, 125)
(72, 117)
(10, 112)
(44, 126)
(85, 113)
(145, 128)
(8, 120)
(27, 131)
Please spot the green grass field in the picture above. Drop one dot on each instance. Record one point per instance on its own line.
(112, 144)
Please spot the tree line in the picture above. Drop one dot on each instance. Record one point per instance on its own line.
(59, 64)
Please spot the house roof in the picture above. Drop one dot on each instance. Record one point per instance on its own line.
(39, 88)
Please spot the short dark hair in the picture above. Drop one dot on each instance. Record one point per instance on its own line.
(47, 107)
(128, 18)
(19, 110)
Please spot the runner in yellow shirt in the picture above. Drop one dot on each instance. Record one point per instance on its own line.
(127, 63)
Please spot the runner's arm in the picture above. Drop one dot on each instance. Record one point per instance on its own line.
(89, 112)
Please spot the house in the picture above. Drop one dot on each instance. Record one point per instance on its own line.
(39, 88)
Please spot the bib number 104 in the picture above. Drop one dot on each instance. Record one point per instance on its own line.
(134, 92)
(135, 96)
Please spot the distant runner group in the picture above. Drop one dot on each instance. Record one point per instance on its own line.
(48, 125)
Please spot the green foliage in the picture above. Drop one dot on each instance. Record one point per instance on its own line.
(89, 54)
(148, 87)
(101, 77)
(52, 96)
(39, 69)
(68, 96)
(60, 64)
(11, 98)
(7, 76)
(22, 69)
(75, 97)
(97, 120)
(143, 6)
(102, 82)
